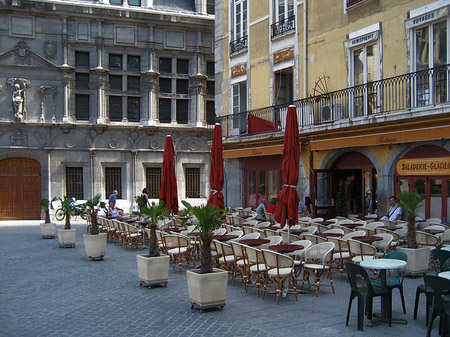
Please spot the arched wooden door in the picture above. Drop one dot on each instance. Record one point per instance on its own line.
(20, 189)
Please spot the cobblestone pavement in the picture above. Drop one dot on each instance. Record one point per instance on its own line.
(51, 291)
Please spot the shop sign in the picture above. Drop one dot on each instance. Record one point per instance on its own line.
(424, 166)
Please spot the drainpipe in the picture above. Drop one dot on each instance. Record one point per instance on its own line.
(305, 49)
(312, 193)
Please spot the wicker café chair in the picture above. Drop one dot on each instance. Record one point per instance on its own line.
(178, 246)
(280, 268)
(256, 266)
(317, 265)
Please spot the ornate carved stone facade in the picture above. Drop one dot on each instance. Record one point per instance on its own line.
(90, 99)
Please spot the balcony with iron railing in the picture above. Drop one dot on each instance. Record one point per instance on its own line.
(409, 93)
(282, 27)
(238, 45)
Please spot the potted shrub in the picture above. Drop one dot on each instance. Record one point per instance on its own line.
(153, 268)
(48, 229)
(67, 236)
(94, 242)
(207, 286)
(418, 258)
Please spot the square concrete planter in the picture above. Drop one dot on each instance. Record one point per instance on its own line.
(95, 245)
(207, 290)
(67, 238)
(153, 270)
(48, 230)
(418, 259)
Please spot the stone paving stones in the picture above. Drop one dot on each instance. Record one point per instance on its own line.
(50, 291)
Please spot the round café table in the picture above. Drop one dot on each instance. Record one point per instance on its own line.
(254, 242)
(350, 225)
(225, 237)
(173, 229)
(382, 265)
(332, 235)
(433, 231)
(445, 274)
(271, 227)
(391, 228)
(285, 248)
(368, 238)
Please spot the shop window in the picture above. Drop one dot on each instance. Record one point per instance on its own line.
(153, 179)
(113, 181)
(192, 176)
(74, 182)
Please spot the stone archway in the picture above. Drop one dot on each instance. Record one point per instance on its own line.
(20, 189)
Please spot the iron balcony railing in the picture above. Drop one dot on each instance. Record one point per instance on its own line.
(283, 26)
(418, 89)
(238, 45)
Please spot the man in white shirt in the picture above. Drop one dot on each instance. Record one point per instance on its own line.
(394, 211)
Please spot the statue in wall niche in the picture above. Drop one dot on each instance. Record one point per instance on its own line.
(18, 99)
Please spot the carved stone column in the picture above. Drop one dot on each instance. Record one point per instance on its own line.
(101, 83)
(198, 91)
(68, 82)
(149, 81)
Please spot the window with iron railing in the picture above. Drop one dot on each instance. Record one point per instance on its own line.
(283, 17)
(238, 26)
(74, 182)
(153, 179)
(192, 176)
(113, 181)
(351, 3)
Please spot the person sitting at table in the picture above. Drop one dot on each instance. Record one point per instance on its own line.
(272, 206)
(114, 211)
(261, 209)
(307, 206)
(394, 211)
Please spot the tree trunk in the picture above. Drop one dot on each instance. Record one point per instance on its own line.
(47, 216)
(411, 235)
(206, 257)
(154, 247)
(67, 226)
(94, 224)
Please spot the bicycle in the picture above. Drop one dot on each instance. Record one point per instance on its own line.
(60, 213)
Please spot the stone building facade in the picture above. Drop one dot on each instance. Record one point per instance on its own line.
(90, 89)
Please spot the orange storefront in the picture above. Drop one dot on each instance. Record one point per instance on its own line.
(426, 170)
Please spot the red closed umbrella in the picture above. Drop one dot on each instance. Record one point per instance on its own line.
(216, 173)
(288, 198)
(168, 192)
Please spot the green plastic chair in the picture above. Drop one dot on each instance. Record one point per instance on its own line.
(396, 279)
(365, 293)
(440, 286)
(441, 256)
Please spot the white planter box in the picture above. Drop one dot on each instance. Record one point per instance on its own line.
(48, 230)
(153, 270)
(67, 237)
(95, 245)
(207, 290)
(418, 259)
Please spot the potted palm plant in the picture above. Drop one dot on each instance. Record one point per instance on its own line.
(207, 286)
(48, 229)
(94, 242)
(67, 236)
(153, 268)
(418, 257)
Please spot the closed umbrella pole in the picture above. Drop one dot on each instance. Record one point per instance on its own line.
(216, 177)
(169, 192)
(286, 211)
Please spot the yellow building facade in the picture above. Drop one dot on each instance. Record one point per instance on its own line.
(370, 82)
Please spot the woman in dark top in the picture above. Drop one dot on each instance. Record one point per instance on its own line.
(145, 195)
(309, 206)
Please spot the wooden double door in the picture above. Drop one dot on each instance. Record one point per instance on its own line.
(20, 189)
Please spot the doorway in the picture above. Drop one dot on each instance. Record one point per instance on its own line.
(20, 189)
